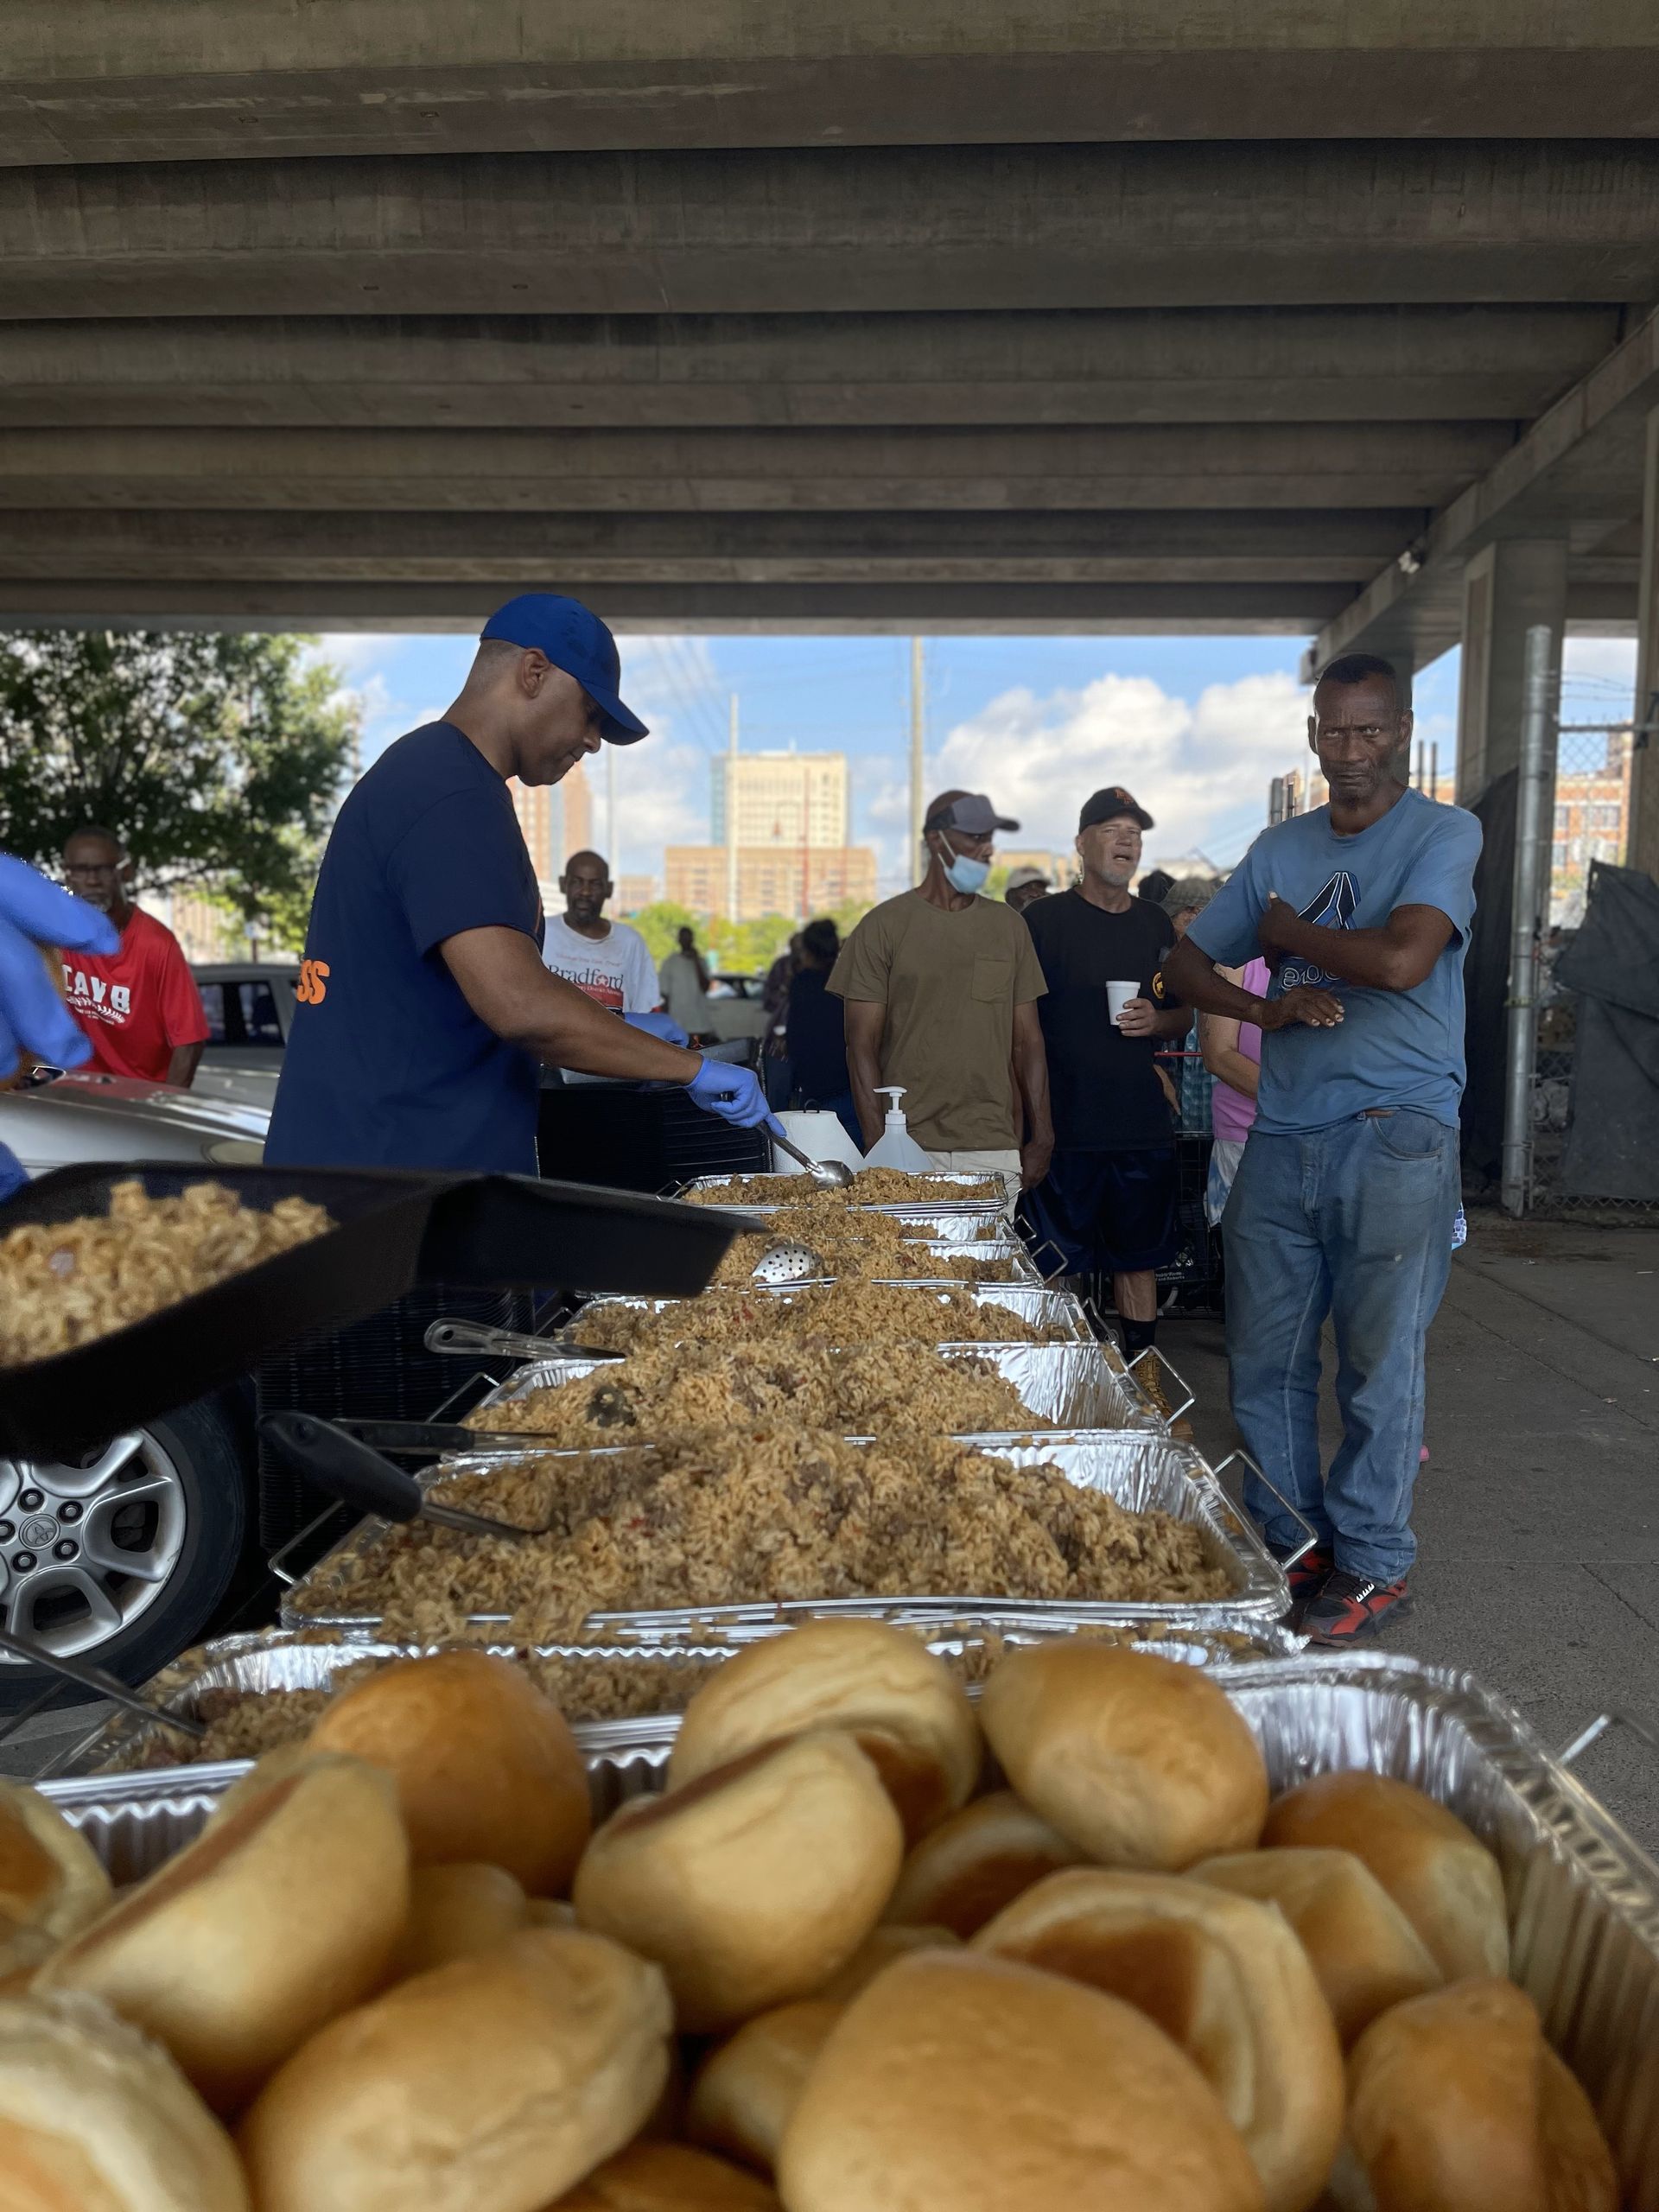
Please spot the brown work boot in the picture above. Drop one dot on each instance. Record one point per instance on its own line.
(1150, 1376)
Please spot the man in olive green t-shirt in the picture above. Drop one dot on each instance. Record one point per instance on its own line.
(941, 990)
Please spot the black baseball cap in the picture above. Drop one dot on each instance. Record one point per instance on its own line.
(1107, 805)
(969, 811)
(573, 639)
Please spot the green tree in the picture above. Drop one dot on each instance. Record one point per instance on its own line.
(660, 924)
(217, 760)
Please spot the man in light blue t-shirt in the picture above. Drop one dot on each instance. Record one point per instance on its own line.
(1344, 1200)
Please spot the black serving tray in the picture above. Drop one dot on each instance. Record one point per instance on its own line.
(393, 1231)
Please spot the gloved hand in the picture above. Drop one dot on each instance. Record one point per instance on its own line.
(658, 1024)
(733, 1093)
(34, 913)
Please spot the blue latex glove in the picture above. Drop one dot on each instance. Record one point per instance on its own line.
(658, 1024)
(733, 1093)
(33, 1017)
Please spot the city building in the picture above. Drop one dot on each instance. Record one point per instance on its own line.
(634, 892)
(780, 799)
(556, 819)
(1062, 870)
(771, 879)
(1591, 819)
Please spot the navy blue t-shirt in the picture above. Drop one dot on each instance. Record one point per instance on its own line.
(387, 1065)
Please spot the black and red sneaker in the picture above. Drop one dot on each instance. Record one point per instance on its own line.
(1351, 1607)
(1308, 1576)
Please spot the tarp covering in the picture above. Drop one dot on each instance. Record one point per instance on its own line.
(1612, 1138)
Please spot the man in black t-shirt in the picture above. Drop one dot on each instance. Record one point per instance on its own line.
(1109, 1200)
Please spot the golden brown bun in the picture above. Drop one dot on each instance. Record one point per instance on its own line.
(23, 1954)
(1445, 1881)
(287, 1908)
(550, 1912)
(487, 2086)
(667, 2177)
(1364, 1953)
(50, 1876)
(908, 1711)
(877, 1953)
(976, 1862)
(1138, 1761)
(960, 2081)
(748, 2088)
(455, 1912)
(487, 1766)
(1225, 1979)
(94, 2118)
(1457, 2104)
(752, 1884)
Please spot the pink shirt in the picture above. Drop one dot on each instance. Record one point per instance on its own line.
(1231, 1112)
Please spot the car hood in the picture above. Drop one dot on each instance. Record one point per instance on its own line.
(82, 1116)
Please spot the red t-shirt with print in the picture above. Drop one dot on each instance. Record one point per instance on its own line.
(140, 1003)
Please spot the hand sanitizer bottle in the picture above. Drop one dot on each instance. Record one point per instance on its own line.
(895, 1146)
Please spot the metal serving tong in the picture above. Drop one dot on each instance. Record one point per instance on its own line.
(86, 1677)
(353, 1473)
(472, 1337)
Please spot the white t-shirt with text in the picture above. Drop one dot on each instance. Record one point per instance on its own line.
(614, 972)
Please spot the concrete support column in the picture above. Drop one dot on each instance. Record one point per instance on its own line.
(1643, 849)
(1508, 588)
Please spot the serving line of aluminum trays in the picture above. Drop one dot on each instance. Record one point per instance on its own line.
(1583, 1898)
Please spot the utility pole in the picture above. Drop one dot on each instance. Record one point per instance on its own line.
(917, 721)
(731, 818)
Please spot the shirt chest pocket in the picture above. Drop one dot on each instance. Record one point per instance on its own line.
(993, 979)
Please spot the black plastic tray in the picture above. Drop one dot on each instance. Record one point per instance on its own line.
(393, 1231)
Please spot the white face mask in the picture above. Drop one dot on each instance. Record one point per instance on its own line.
(962, 873)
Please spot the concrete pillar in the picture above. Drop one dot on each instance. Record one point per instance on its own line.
(1507, 588)
(1642, 848)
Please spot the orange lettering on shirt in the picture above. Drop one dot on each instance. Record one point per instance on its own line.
(312, 987)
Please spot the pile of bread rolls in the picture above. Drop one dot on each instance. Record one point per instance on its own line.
(871, 1951)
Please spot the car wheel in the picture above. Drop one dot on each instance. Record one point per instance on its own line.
(121, 1556)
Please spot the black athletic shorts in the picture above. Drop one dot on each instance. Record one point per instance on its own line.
(1108, 1212)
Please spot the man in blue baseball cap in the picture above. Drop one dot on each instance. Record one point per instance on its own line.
(424, 1007)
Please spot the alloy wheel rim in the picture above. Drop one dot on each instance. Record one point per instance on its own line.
(86, 1550)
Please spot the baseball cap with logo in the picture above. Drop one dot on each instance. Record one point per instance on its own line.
(1106, 805)
(573, 639)
(969, 811)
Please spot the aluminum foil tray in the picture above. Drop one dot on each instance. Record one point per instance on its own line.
(1583, 1899)
(946, 1181)
(1067, 1386)
(1054, 1309)
(1142, 1470)
(278, 1659)
(937, 1224)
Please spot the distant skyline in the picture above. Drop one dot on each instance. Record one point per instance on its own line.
(1196, 728)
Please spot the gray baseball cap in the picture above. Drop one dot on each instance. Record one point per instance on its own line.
(969, 811)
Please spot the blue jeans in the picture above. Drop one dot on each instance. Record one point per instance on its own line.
(1353, 1221)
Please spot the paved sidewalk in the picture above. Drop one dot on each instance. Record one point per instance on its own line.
(1538, 1514)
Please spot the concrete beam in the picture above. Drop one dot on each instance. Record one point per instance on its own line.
(149, 81)
(893, 609)
(1577, 472)
(876, 231)
(520, 550)
(1190, 364)
(1413, 467)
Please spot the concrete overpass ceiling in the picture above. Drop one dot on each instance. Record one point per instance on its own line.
(754, 313)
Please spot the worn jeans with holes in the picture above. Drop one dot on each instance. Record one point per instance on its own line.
(1355, 1222)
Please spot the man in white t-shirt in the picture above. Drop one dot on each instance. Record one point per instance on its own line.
(608, 961)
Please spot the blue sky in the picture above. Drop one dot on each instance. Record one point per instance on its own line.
(1195, 727)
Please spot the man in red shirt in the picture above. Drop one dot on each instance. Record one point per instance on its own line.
(140, 1006)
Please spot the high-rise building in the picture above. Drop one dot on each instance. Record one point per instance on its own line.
(556, 819)
(634, 892)
(781, 799)
(1592, 798)
(576, 797)
(771, 879)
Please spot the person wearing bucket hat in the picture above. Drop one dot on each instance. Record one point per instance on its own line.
(941, 988)
(425, 1010)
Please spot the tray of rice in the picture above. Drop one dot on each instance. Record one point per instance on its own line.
(853, 1311)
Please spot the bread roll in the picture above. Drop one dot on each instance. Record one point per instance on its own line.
(486, 1767)
(747, 2088)
(95, 2119)
(23, 1954)
(1457, 2104)
(961, 2080)
(976, 1862)
(752, 1884)
(1445, 1881)
(487, 2086)
(288, 1908)
(1138, 1761)
(50, 1876)
(910, 1714)
(455, 1912)
(1365, 1954)
(667, 2177)
(877, 1953)
(1224, 1978)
